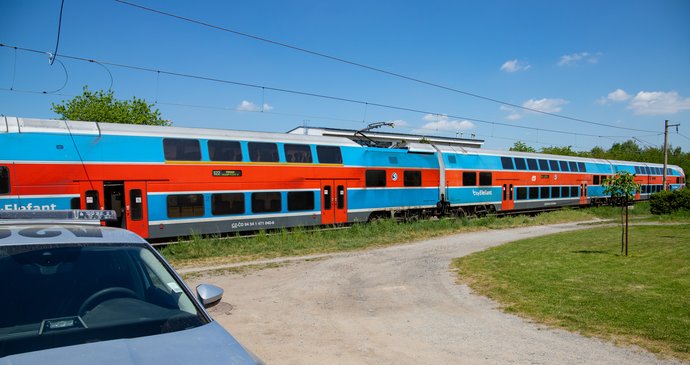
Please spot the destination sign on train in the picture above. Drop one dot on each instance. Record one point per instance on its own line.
(227, 173)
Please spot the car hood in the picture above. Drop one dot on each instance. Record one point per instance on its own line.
(207, 344)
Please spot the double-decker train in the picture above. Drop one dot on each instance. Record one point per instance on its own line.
(169, 181)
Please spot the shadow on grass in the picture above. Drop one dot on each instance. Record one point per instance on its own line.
(591, 251)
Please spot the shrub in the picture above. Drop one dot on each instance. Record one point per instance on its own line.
(666, 202)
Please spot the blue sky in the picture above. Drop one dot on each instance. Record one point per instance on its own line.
(619, 63)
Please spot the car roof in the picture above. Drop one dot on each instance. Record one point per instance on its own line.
(60, 227)
(61, 233)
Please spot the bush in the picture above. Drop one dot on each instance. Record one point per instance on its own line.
(666, 202)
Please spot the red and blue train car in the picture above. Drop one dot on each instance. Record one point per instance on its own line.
(169, 181)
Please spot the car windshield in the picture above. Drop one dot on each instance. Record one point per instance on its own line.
(61, 295)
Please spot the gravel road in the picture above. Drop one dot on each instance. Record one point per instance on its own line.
(398, 305)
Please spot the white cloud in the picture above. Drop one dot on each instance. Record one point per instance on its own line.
(617, 95)
(658, 103)
(513, 114)
(443, 123)
(248, 106)
(545, 105)
(575, 58)
(515, 65)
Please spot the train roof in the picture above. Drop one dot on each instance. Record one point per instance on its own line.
(477, 151)
(388, 139)
(29, 125)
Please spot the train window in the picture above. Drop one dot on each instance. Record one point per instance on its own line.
(341, 196)
(581, 166)
(532, 164)
(375, 178)
(555, 192)
(224, 151)
(644, 189)
(565, 192)
(329, 154)
(263, 152)
(637, 170)
(485, 178)
(574, 191)
(297, 153)
(647, 170)
(469, 178)
(75, 203)
(227, 203)
(92, 200)
(181, 149)
(520, 164)
(596, 180)
(185, 205)
(136, 205)
(266, 202)
(4, 180)
(300, 200)
(563, 165)
(573, 166)
(544, 192)
(412, 178)
(543, 165)
(451, 159)
(507, 163)
(534, 193)
(521, 193)
(554, 165)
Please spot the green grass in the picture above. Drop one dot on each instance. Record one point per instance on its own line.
(302, 241)
(579, 281)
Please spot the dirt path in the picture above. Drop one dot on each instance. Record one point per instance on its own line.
(398, 305)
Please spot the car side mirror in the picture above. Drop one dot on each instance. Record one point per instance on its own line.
(209, 295)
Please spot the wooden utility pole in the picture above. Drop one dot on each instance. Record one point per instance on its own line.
(666, 150)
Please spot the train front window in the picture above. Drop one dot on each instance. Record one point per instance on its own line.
(69, 294)
(4, 180)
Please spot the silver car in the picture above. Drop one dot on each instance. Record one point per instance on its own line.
(74, 293)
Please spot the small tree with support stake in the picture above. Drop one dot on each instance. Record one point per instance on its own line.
(621, 187)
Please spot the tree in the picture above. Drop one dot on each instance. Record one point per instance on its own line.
(102, 106)
(520, 146)
(563, 151)
(621, 187)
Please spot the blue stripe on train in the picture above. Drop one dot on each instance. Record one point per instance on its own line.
(474, 195)
(157, 206)
(391, 198)
(38, 203)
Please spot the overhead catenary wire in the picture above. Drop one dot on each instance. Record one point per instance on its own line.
(372, 68)
(315, 95)
(53, 55)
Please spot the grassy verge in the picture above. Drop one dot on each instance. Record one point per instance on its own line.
(579, 281)
(302, 241)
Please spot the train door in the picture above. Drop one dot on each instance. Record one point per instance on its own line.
(507, 196)
(136, 217)
(128, 200)
(333, 201)
(583, 192)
